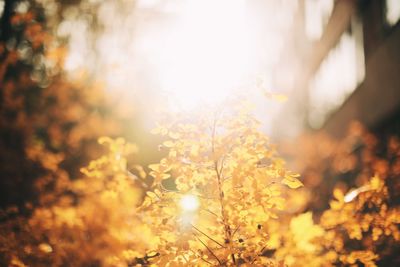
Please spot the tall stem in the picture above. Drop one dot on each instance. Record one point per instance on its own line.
(218, 171)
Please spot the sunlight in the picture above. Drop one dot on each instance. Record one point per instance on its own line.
(189, 203)
(202, 60)
(181, 54)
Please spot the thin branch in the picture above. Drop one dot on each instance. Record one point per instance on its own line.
(209, 250)
(234, 232)
(204, 197)
(209, 237)
(227, 178)
(218, 170)
(213, 136)
(157, 195)
(258, 255)
(221, 167)
(206, 261)
(162, 188)
(183, 255)
(198, 255)
(211, 212)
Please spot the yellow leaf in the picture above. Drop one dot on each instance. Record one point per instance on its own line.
(154, 167)
(304, 231)
(292, 182)
(104, 139)
(174, 135)
(338, 194)
(275, 96)
(151, 195)
(45, 248)
(168, 144)
(279, 97)
(375, 182)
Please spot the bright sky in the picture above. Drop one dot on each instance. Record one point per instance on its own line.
(201, 51)
(192, 52)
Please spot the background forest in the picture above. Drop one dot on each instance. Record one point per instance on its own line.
(178, 150)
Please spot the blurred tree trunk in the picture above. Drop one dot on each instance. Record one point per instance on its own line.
(6, 19)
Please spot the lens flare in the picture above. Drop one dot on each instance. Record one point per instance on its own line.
(189, 203)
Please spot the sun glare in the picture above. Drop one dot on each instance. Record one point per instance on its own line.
(189, 203)
(207, 52)
(193, 52)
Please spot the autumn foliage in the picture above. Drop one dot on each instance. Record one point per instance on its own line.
(221, 195)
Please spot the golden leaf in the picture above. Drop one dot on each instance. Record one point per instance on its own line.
(292, 182)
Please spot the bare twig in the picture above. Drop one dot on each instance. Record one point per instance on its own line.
(209, 250)
(218, 170)
(258, 255)
(198, 255)
(234, 232)
(213, 213)
(212, 239)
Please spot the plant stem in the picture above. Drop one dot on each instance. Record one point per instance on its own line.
(209, 250)
(218, 171)
(209, 237)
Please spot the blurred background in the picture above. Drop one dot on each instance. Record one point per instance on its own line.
(308, 66)
(336, 61)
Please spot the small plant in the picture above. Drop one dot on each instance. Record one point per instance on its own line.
(228, 186)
